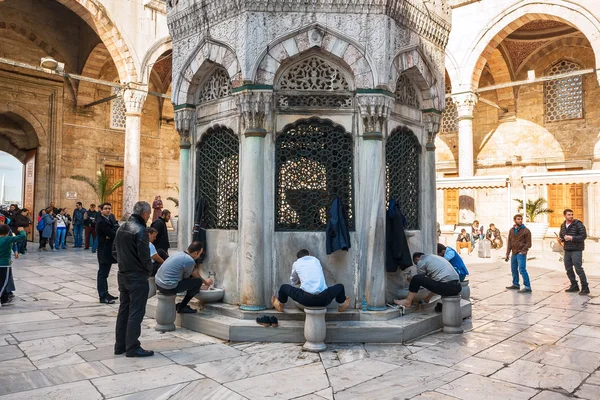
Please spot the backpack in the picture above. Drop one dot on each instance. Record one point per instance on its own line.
(41, 225)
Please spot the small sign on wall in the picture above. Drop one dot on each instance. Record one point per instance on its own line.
(71, 195)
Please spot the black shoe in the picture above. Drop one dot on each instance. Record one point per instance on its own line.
(264, 320)
(119, 352)
(107, 301)
(513, 287)
(573, 288)
(274, 322)
(585, 290)
(111, 297)
(139, 352)
(438, 307)
(185, 310)
(11, 296)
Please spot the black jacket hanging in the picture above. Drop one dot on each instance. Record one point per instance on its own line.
(337, 235)
(199, 232)
(397, 252)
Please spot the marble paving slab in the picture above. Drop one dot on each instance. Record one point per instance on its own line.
(390, 353)
(10, 352)
(22, 381)
(477, 387)
(507, 351)
(76, 372)
(161, 393)
(548, 395)
(70, 391)
(203, 354)
(530, 374)
(357, 372)
(590, 392)
(589, 331)
(564, 357)
(502, 329)
(580, 343)
(206, 389)
(594, 379)
(36, 316)
(15, 366)
(55, 351)
(480, 366)
(122, 364)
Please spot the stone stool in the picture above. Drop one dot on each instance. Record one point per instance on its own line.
(152, 287)
(465, 293)
(165, 312)
(315, 329)
(451, 314)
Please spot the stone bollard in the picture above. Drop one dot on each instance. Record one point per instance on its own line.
(451, 314)
(165, 313)
(315, 329)
(465, 292)
(152, 287)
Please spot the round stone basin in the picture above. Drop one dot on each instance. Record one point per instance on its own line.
(211, 295)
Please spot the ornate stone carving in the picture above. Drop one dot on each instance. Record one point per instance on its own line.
(183, 124)
(406, 93)
(218, 85)
(432, 120)
(134, 98)
(314, 73)
(465, 104)
(255, 108)
(315, 101)
(374, 111)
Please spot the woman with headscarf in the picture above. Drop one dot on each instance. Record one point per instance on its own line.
(157, 205)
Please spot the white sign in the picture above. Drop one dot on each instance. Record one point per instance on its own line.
(71, 195)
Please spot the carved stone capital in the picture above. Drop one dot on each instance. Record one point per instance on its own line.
(432, 120)
(184, 118)
(465, 104)
(134, 97)
(374, 111)
(255, 108)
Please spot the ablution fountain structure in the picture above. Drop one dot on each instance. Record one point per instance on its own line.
(283, 105)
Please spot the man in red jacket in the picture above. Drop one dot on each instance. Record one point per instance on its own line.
(519, 242)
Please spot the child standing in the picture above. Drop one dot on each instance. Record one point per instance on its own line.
(6, 245)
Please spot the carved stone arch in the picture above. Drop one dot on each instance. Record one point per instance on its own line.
(98, 57)
(152, 55)
(20, 129)
(532, 61)
(197, 66)
(500, 71)
(230, 125)
(452, 69)
(34, 38)
(515, 17)
(412, 63)
(281, 50)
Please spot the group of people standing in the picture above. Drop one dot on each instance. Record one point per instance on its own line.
(468, 241)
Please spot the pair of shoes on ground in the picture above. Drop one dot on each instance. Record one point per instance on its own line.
(184, 310)
(139, 352)
(266, 321)
(585, 290)
(519, 290)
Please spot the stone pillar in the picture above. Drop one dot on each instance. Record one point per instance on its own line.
(465, 105)
(254, 108)
(134, 98)
(374, 111)
(432, 119)
(184, 123)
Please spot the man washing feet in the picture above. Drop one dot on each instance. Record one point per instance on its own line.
(434, 273)
(313, 291)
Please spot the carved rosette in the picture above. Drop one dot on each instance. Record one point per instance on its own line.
(183, 123)
(134, 97)
(374, 111)
(255, 108)
(432, 120)
(465, 104)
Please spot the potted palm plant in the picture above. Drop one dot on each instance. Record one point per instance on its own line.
(100, 186)
(534, 209)
(175, 219)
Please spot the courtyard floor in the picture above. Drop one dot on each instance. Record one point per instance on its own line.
(56, 342)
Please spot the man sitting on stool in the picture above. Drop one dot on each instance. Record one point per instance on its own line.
(313, 291)
(178, 274)
(434, 273)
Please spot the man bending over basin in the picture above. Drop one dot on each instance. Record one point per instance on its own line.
(313, 291)
(434, 273)
(179, 274)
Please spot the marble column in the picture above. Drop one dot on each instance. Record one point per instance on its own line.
(134, 97)
(432, 119)
(184, 123)
(374, 111)
(465, 104)
(254, 108)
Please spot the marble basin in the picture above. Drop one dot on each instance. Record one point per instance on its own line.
(211, 295)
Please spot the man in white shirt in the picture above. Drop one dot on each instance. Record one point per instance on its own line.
(313, 291)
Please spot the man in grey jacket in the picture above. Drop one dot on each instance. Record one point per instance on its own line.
(572, 237)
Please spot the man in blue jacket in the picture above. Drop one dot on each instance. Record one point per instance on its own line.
(454, 258)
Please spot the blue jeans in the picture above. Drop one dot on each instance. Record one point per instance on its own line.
(518, 263)
(94, 242)
(78, 233)
(61, 234)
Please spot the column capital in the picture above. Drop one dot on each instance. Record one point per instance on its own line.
(432, 119)
(465, 104)
(184, 117)
(254, 106)
(374, 110)
(134, 97)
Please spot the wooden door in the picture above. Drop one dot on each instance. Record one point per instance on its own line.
(29, 186)
(561, 197)
(116, 198)
(451, 206)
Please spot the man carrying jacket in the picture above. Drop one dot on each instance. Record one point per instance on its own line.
(519, 242)
(572, 236)
(135, 267)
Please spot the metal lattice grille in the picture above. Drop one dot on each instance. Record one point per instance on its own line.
(314, 160)
(406, 93)
(217, 85)
(217, 171)
(402, 155)
(450, 114)
(564, 97)
(117, 111)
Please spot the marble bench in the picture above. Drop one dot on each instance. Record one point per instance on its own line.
(315, 329)
(451, 314)
(165, 312)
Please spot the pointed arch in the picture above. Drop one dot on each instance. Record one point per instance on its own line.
(98, 57)
(412, 63)
(152, 55)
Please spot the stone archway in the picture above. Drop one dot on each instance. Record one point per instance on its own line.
(415, 65)
(517, 16)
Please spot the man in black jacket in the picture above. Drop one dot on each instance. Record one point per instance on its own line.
(572, 236)
(162, 239)
(106, 228)
(135, 267)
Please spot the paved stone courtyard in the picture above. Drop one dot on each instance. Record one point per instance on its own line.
(56, 343)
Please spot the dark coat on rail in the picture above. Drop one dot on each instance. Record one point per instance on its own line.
(397, 251)
(338, 237)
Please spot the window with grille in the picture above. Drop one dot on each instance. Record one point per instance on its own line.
(314, 164)
(216, 86)
(117, 111)
(406, 93)
(563, 98)
(402, 154)
(450, 114)
(217, 172)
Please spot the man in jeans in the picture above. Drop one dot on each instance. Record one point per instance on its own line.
(179, 274)
(572, 236)
(78, 215)
(135, 267)
(313, 291)
(89, 223)
(519, 243)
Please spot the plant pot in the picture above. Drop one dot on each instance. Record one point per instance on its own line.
(538, 229)
(174, 221)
